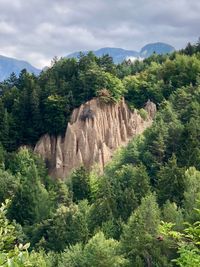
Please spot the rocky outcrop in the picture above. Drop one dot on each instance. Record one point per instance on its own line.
(94, 132)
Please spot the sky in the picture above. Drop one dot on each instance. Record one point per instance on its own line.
(38, 30)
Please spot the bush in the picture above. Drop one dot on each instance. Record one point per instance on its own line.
(143, 113)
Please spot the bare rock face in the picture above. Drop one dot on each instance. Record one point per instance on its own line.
(94, 132)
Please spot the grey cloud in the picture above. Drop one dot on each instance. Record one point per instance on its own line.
(37, 30)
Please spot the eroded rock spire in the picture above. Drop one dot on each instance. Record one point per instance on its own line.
(94, 132)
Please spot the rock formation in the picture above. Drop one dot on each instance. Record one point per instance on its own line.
(92, 135)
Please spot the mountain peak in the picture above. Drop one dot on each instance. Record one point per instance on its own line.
(120, 54)
(9, 65)
(158, 48)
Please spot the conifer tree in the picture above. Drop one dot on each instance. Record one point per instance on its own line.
(170, 182)
(139, 238)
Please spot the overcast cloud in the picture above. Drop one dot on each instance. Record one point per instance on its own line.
(38, 30)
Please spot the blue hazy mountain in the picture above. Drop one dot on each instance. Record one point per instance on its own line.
(9, 65)
(158, 48)
(119, 54)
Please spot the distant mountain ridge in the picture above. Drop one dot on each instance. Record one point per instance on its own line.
(9, 65)
(119, 54)
(158, 48)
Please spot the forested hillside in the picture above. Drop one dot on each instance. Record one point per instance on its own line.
(145, 209)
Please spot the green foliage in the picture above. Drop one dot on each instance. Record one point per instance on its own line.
(120, 192)
(9, 185)
(171, 213)
(171, 182)
(143, 113)
(66, 227)
(31, 202)
(20, 257)
(189, 257)
(73, 257)
(56, 110)
(21, 162)
(59, 192)
(80, 184)
(192, 192)
(114, 86)
(139, 238)
(105, 96)
(12, 254)
(8, 233)
(187, 242)
(2, 156)
(98, 252)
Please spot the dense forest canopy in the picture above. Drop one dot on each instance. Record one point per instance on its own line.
(145, 209)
